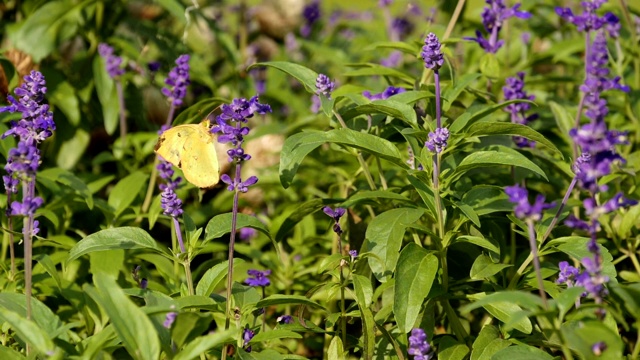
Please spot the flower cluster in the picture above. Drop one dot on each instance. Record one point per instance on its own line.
(387, 93)
(177, 81)
(419, 347)
(335, 215)
(169, 200)
(311, 14)
(589, 20)
(35, 126)
(324, 86)
(525, 210)
(258, 278)
(514, 90)
(493, 17)
(431, 54)
(112, 62)
(437, 140)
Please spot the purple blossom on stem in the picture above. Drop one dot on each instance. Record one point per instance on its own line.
(169, 201)
(523, 209)
(419, 347)
(311, 14)
(335, 215)
(353, 254)
(241, 186)
(568, 274)
(247, 335)
(514, 90)
(112, 62)
(598, 348)
(258, 278)
(324, 85)
(285, 319)
(169, 319)
(387, 93)
(177, 81)
(431, 54)
(316, 104)
(493, 18)
(586, 21)
(438, 140)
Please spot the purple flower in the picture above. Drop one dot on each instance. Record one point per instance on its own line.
(248, 233)
(311, 14)
(431, 54)
(419, 346)
(568, 274)
(247, 335)
(241, 186)
(169, 319)
(384, 3)
(514, 90)
(401, 27)
(598, 348)
(285, 319)
(177, 81)
(586, 21)
(353, 254)
(387, 93)
(324, 85)
(493, 17)
(258, 278)
(393, 60)
(169, 201)
(523, 209)
(154, 66)
(112, 62)
(316, 104)
(437, 140)
(335, 215)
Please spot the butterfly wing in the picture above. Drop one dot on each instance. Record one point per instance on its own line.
(191, 148)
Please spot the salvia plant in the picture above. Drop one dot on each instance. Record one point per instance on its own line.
(310, 179)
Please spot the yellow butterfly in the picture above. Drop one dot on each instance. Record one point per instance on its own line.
(191, 147)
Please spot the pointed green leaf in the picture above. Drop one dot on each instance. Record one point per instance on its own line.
(306, 76)
(126, 191)
(488, 342)
(385, 234)
(505, 128)
(132, 325)
(389, 107)
(415, 273)
(202, 344)
(483, 268)
(521, 352)
(451, 93)
(28, 331)
(213, 276)
(221, 224)
(69, 179)
(115, 238)
(492, 158)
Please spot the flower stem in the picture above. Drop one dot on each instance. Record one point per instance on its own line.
(232, 241)
(536, 261)
(557, 215)
(363, 164)
(123, 119)
(187, 262)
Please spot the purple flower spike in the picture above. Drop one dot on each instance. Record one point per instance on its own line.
(586, 21)
(247, 335)
(523, 209)
(177, 81)
(311, 14)
(324, 86)
(169, 319)
(438, 140)
(113, 62)
(568, 274)
(431, 54)
(514, 90)
(493, 18)
(169, 200)
(419, 347)
(258, 278)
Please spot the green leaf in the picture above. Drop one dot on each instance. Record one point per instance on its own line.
(576, 247)
(175, 8)
(10, 354)
(275, 334)
(304, 75)
(491, 158)
(504, 307)
(425, 192)
(41, 314)
(407, 48)
(388, 107)
(563, 119)
(9, 70)
(221, 224)
(287, 223)
(385, 234)
(373, 196)
(379, 70)
(133, 327)
(487, 243)
(67, 178)
(486, 199)
(488, 342)
(63, 97)
(213, 276)
(364, 290)
(199, 111)
(28, 331)
(478, 112)
(278, 299)
(629, 296)
(415, 274)
(336, 351)
(504, 128)
(202, 344)
(368, 332)
(126, 191)
(115, 238)
(567, 299)
(72, 149)
(483, 268)
(298, 146)
(450, 349)
(521, 352)
(489, 66)
(107, 94)
(451, 93)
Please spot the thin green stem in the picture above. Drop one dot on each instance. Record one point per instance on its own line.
(521, 269)
(556, 217)
(121, 111)
(536, 261)
(363, 164)
(636, 349)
